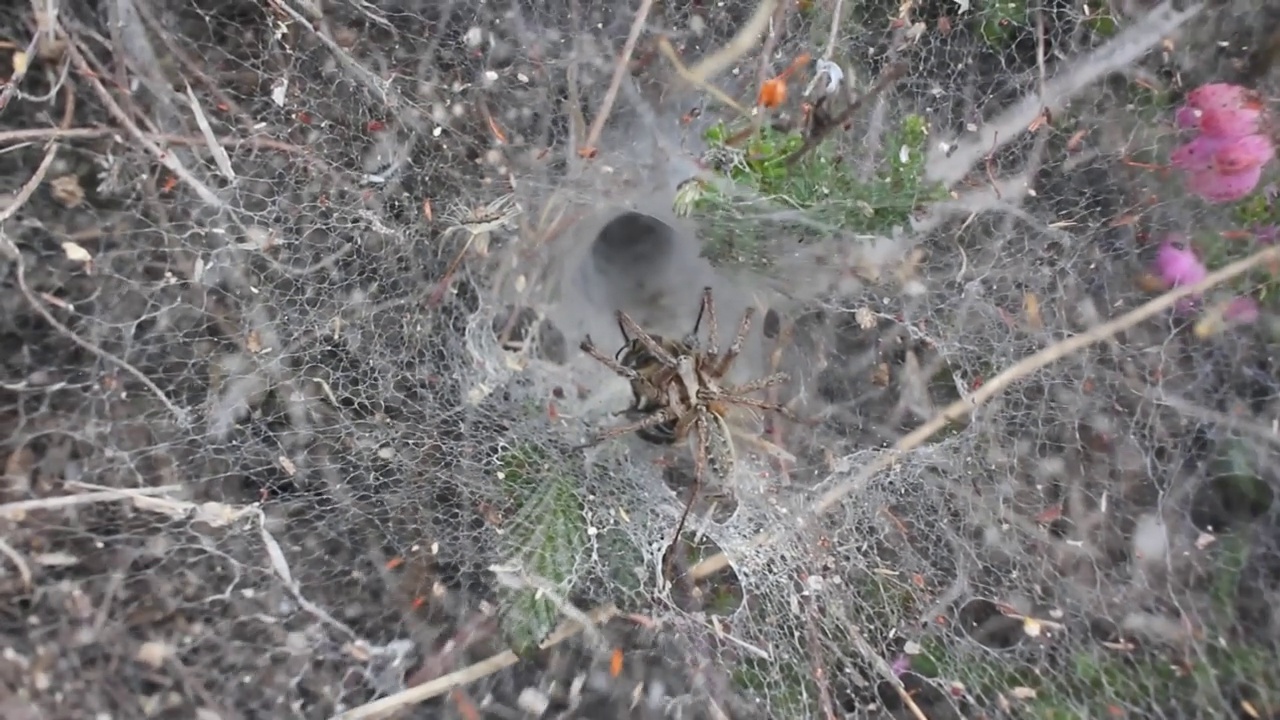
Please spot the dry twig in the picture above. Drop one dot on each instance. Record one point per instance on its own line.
(993, 387)
(421, 693)
(664, 46)
(624, 60)
(7, 246)
(890, 76)
(22, 507)
(169, 160)
(741, 44)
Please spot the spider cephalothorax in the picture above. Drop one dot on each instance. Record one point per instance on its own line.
(677, 387)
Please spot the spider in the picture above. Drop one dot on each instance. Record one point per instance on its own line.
(677, 387)
(480, 219)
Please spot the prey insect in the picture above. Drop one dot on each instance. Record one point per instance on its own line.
(678, 391)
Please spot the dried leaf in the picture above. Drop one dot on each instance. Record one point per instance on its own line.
(279, 91)
(56, 559)
(1032, 627)
(20, 61)
(153, 653)
(1031, 305)
(1023, 693)
(67, 190)
(881, 375)
(76, 252)
(18, 466)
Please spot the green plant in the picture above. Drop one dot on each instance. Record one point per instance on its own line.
(760, 167)
(546, 536)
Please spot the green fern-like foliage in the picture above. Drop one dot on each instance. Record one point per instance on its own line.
(821, 184)
(546, 537)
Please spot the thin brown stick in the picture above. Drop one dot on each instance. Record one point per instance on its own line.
(994, 387)
(11, 86)
(766, 61)
(885, 671)
(835, 30)
(610, 95)
(169, 160)
(484, 668)
(21, 507)
(24, 570)
(9, 247)
(191, 66)
(664, 46)
(27, 190)
(13, 137)
(887, 78)
(740, 45)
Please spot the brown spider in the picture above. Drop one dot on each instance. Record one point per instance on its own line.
(676, 387)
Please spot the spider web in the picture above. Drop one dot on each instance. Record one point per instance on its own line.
(292, 376)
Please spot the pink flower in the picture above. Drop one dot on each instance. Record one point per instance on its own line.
(1221, 110)
(901, 664)
(1176, 263)
(1187, 117)
(1224, 169)
(1242, 310)
(1198, 154)
(1231, 123)
(1245, 153)
(1219, 187)
(1221, 96)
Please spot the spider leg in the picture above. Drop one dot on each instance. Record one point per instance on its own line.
(758, 384)
(782, 410)
(735, 347)
(590, 348)
(631, 328)
(713, 328)
(648, 421)
(699, 468)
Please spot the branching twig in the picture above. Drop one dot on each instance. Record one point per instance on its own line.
(22, 507)
(169, 160)
(664, 46)
(740, 45)
(948, 164)
(993, 387)
(8, 246)
(610, 95)
(887, 78)
(484, 668)
(12, 137)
